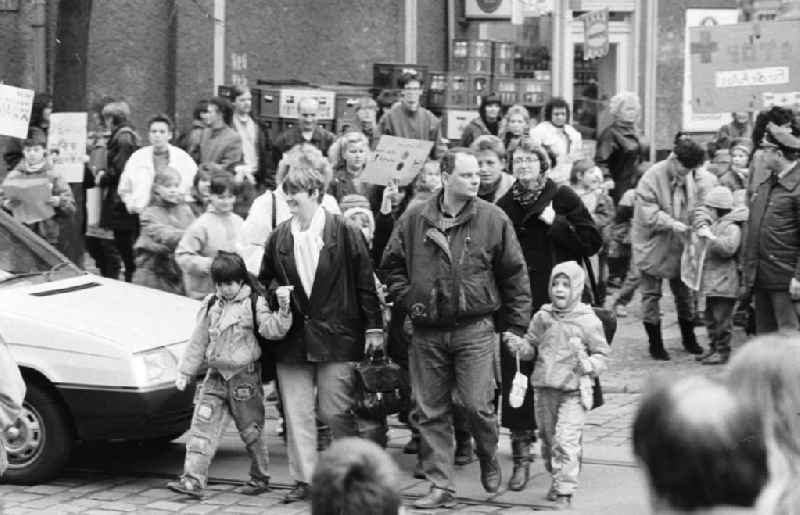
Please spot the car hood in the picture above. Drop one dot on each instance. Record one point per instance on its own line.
(133, 317)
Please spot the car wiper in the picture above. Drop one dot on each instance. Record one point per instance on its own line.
(14, 277)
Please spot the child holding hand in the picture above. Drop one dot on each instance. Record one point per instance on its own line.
(225, 339)
(567, 341)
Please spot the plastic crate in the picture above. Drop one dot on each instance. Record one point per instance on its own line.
(532, 92)
(479, 84)
(503, 67)
(506, 89)
(479, 65)
(460, 49)
(457, 90)
(503, 50)
(388, 75)
(480, 49)
(437, 90)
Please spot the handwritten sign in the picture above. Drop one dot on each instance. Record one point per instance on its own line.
(733, 65)
(396, 158)
(289, 98)
(29, 197)
(66, 142)
(15, 111)
(595, 34)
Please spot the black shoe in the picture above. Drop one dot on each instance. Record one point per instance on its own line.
(657, 350)
(299, 493)
(412, 447)
(253, 487)
(464, 453)
(520, 450)
(491, 474)
(436, 498)
(688, 338)
(419, 472)
(563, 502)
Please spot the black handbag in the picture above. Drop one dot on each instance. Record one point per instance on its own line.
(379, 384)
(609, 321)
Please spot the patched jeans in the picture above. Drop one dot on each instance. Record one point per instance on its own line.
(240, 398)
(453, 363)
(561, 416)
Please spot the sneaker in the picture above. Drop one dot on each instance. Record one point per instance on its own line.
(563, 502)
(300, 492)
(186, 486)
(253, 487)
(621, 311)
(436, 498)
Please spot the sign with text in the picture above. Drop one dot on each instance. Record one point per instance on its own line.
(733, 65)
(396, 158)
(66, 142)
(595, 34)
(15, 111)
(289, 98)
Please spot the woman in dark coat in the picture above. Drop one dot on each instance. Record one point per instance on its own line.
(113, 214)
(618, 147)
(553, 226)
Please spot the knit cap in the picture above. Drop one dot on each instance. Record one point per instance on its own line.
(719, 197)
(353, 200)
(742, 144)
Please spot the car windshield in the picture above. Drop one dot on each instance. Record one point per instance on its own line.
(26, 259)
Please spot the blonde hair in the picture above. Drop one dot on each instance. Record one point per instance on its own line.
(304, 167)
(620, 100)
(118, 111)
(339, 147)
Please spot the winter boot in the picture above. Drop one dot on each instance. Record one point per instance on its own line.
(657, 350)
(464, 453)
(687, 336)
(521, 454)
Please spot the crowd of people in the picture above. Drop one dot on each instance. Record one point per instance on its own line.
(486, 266)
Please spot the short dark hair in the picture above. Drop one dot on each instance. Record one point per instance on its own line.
(555, 103)
(355, 476)
(220, 183)
(448, 161)
(224, 106)
(408, 77)
(689, 153)
(199, 108)
(701, 445)
(160, 117)
(236, 91)
(228, 267)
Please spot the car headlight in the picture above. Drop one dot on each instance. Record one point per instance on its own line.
(154, 367)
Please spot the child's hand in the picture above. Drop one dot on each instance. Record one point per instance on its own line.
(705, 232)
(54, 201)
(181, 381)
(514, 343)
(284, 293)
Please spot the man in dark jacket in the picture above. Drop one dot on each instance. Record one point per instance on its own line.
(455, 265)
(306, 131)
(772, 243)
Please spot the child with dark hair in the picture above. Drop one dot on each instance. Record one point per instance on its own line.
(200, 192)
(35, 171)
(225, 339)
(216, 229)
(163, 223)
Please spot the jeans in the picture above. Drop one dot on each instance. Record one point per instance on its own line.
(651, 295)
(561, 417)
(775, 311)
(124, 241)
(325, 390)
(719, 322)
(453, 363)
(241, 398)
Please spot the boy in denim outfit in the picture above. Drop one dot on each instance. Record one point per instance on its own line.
(224, 338)
(567, 341)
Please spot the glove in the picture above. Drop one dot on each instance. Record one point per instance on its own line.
(181, 381)
(679, 227)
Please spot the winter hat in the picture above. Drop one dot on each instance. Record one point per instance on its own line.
(719, 197)
(353, 201)
(358, 204)
(579, 168)
(576, 277)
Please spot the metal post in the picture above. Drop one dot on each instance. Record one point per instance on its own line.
(410, 40)
(219, 44)
(651, 77)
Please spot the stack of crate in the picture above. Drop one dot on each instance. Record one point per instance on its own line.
(503, 82)
(278, 105)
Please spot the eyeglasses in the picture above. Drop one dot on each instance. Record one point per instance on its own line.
(412, 89)
(525, 160)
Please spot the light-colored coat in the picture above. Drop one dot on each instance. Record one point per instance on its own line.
(721, 269)
(136, 181)
(224, 336)
(656, 247)
(208, 235)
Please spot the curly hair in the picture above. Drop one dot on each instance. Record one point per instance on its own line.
(531, 146)
(620, 100)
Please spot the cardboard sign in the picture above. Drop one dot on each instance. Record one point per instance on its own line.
(733, 65)
(30, 197)
(455, 120)
(396, 158)
(289, 98)
(15, 111)
(692, 260)
(66, 142)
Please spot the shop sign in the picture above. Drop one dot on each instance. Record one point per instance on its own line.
(505, 9)
(733, 66)
(595, 34)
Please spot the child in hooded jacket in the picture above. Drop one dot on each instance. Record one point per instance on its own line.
(162, 224)
(224, 339)
(567, 342)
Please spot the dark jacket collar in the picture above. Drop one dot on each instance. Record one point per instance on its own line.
(433, 214)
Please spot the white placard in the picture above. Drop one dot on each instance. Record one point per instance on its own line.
(289, 98)
(66, 142)
(702, 122)
(456, 120)
(396, 158)
(15, 111)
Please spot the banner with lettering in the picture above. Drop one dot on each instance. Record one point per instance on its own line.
(66, 142)
(595, 34)
(15, 111)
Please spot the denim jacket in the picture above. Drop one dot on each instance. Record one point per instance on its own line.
(224, 337)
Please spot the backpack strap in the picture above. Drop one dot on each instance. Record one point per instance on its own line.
(274, 212)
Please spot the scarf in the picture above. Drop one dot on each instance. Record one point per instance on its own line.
(307, 246)
(526, 197)
(487, 192)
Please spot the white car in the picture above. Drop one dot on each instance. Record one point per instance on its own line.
(99, 356)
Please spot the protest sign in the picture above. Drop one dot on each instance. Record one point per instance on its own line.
(15, 111)
(29, 199)
(396, 158)
(732, 66)
(66, 142)
(692, 259)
